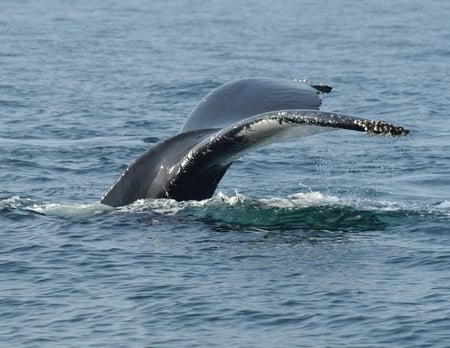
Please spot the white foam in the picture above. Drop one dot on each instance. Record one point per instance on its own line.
(12, 202)
(69, 211)
(159, 206)
(444, 205)
(236, 202)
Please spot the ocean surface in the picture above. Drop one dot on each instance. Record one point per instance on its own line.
(335, 240)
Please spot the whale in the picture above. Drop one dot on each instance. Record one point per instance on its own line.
(233, 119)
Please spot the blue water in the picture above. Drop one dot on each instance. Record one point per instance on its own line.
(336, 240)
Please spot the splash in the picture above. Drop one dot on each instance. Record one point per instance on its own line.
(70, 211)
(311, 210)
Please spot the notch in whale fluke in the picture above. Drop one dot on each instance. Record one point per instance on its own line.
(321, 87)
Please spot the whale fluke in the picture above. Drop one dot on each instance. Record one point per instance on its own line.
(235, 118)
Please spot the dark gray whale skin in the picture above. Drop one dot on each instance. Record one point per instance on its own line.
(230, 121)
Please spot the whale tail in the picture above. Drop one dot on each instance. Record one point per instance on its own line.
(231, 120)
(192, 164)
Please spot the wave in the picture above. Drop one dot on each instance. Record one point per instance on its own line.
(312, 210)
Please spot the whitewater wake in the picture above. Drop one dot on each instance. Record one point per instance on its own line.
(311, 210)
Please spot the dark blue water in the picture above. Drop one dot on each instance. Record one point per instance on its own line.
(334, 240)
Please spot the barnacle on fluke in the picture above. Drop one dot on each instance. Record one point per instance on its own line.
(381, 128)
(329, 119)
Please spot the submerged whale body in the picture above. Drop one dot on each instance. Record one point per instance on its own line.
(231, 120)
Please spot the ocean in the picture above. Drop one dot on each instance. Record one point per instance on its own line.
(340, 239)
